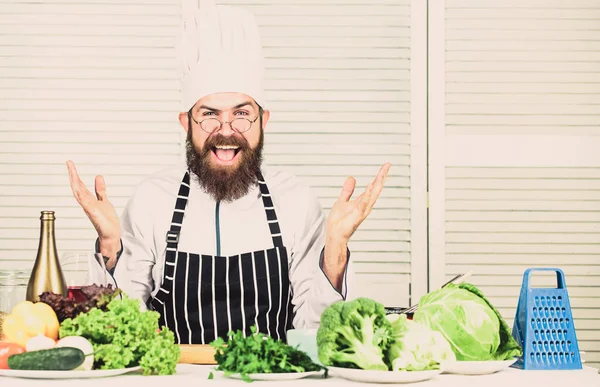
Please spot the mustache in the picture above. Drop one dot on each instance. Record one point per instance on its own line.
(220, 140)
(225, 184)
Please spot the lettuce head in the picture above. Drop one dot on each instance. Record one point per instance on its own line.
(474, 328)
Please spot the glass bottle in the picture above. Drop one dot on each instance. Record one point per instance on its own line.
(47, 275)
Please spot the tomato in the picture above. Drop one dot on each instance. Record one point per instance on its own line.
(6, 350)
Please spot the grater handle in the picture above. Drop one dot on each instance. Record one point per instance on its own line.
(560, 276)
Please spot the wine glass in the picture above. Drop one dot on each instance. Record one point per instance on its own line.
(81, 269)
(74, 266)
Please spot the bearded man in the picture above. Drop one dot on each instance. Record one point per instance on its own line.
(225, 242)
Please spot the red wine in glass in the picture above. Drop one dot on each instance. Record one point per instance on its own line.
(74, 293)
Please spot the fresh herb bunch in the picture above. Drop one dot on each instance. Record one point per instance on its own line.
(124, 336)
(259, 353)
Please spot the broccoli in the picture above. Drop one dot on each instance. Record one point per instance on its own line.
(354, 334)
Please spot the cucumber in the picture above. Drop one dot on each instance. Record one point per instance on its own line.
(54, 359)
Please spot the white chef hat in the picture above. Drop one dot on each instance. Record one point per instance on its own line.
(220, 51)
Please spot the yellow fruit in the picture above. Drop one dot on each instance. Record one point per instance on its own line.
(34, 325)
(23, 308)
(28, 320)
(14, 331)
(48, 316)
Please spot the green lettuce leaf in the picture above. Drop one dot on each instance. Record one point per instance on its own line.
(464, 316)
(508, 347)
(125, 336)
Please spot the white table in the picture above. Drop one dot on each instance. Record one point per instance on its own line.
(197, 376)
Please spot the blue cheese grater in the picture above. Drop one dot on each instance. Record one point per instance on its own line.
(544, 326)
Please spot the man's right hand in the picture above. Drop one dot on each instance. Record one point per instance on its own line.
(101, 213)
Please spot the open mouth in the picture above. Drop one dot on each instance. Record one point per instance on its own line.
(226, 153)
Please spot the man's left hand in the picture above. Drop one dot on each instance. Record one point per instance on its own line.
(343, 220)
(346, 215)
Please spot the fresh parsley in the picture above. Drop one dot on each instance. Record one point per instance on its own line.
(259, 353)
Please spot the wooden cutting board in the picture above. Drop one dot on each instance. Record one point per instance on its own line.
(197, 354)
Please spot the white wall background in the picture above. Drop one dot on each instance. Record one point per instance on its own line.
(514, 124)
(96, 82)
(506, 94)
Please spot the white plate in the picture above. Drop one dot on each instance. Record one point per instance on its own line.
(66, 374)
(274, 376)
(477, 367)
(368, 376)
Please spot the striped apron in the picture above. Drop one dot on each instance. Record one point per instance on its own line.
(203, 297)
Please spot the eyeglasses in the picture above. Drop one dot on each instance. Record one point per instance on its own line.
(211, 125)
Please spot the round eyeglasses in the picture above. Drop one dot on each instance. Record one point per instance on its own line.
(211, 125)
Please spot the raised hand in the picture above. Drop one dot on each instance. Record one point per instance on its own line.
(346, 215)
(99, 210)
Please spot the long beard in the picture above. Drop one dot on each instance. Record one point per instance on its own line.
(229, 183)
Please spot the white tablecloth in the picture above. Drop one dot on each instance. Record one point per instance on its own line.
(197, 375)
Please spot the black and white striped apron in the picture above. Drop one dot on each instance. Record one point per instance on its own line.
(203, 297)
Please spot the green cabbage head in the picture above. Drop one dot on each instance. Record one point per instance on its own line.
(469, 322)
(416, 347)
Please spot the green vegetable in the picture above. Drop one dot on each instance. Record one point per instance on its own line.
(469, 322)
(123, 336)
(259, 353)
(416, 347)
(86, 347)
(354, 334)
(54, 359)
